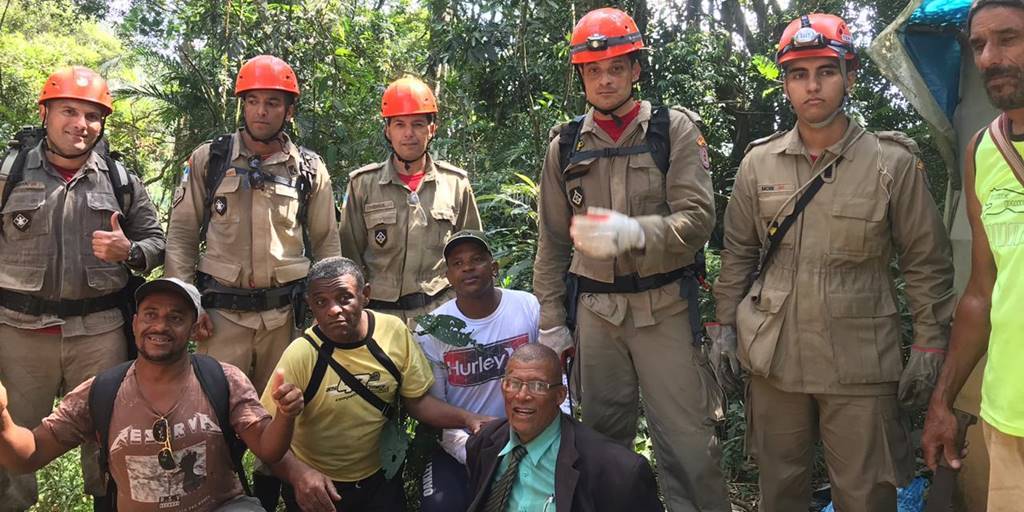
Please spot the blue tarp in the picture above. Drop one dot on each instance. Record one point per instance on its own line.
(930, 40)
(941, 13)
(936, 56)
(908, 499)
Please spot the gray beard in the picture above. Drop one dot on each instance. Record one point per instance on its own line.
(1008, 101)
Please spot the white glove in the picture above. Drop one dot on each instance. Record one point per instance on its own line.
(604, 234)
(558, 339)
(453, 441)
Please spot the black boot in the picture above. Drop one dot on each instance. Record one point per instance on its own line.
(267, 489)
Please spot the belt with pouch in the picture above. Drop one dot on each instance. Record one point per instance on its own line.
(36, 306)
(630, 283)
(217, 296)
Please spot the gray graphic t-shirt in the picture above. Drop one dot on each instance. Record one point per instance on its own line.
(203, 477)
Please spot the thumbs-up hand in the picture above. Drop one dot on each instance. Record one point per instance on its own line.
(111, 246)
(287, 397)
(3, 397)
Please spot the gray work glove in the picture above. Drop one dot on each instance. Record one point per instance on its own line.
(919, 378)
(558, 339)
(722, 355)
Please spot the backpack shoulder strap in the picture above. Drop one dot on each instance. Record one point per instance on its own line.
(379, 354)
(568, 138)
(999, 130)
(215, 386)
(216, 166)
(12, 169)
(307, 177)
(323, 354)
(120, 181)
(102, 395)
(658, 139)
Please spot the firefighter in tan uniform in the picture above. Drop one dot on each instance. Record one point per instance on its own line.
(74, 226)
(819, 329)
(626, 231)
(398, 213)
(266, 211)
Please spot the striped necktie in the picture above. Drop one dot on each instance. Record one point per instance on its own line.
(501, 491)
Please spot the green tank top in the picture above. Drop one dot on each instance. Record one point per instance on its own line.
(1002, 213)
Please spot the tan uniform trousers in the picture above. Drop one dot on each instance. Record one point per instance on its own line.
(35, 368)
(254, 351)
(1006, 470)
(617, 363)
(409, 315)
(867, 448)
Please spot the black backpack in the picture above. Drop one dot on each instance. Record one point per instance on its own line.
(658, 143)
(212, 380)
(220, 161)
(12, 170)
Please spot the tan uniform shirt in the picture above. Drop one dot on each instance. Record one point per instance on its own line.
(254, 239)
(827, 319)
(397, 234)
(675, 209)
(46, 247)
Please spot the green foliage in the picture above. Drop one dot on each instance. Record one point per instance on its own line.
(60, 486)
(447, 329)
(500, 70)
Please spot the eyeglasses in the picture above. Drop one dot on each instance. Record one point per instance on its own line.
(162, 434)
(533, 387)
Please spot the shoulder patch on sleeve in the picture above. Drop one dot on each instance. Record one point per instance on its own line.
(901, 139)
(365, 169)
(763, 140)
(693, 116)
(441, 164)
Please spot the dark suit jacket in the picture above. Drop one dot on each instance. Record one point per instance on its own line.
(592, 473)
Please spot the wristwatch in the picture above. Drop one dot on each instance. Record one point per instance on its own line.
(136, 258)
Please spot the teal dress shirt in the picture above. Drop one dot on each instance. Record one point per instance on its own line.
(535, 488)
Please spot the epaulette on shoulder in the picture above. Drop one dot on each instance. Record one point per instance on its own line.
(303, 150)
(441, 164)
(693, 116)
(556, 130)
(763, 140)
(365, 169)
(902, 139)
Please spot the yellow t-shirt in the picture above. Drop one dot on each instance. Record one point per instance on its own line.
(338, 432)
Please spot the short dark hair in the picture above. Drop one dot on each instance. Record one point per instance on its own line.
(290, 99)
(534, 352)
(337, 266)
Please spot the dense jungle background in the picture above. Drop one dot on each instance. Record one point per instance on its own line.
(501, 72)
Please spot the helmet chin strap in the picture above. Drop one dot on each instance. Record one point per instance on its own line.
(269, 140)
(406, 163)
(611, 112)
(832, 117)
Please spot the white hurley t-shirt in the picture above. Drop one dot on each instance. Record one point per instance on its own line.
(468, 377)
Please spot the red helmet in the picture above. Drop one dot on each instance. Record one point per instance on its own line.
(78, 83)
(266, 72)
(407, 96)
(603, 34)
(816, 35)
